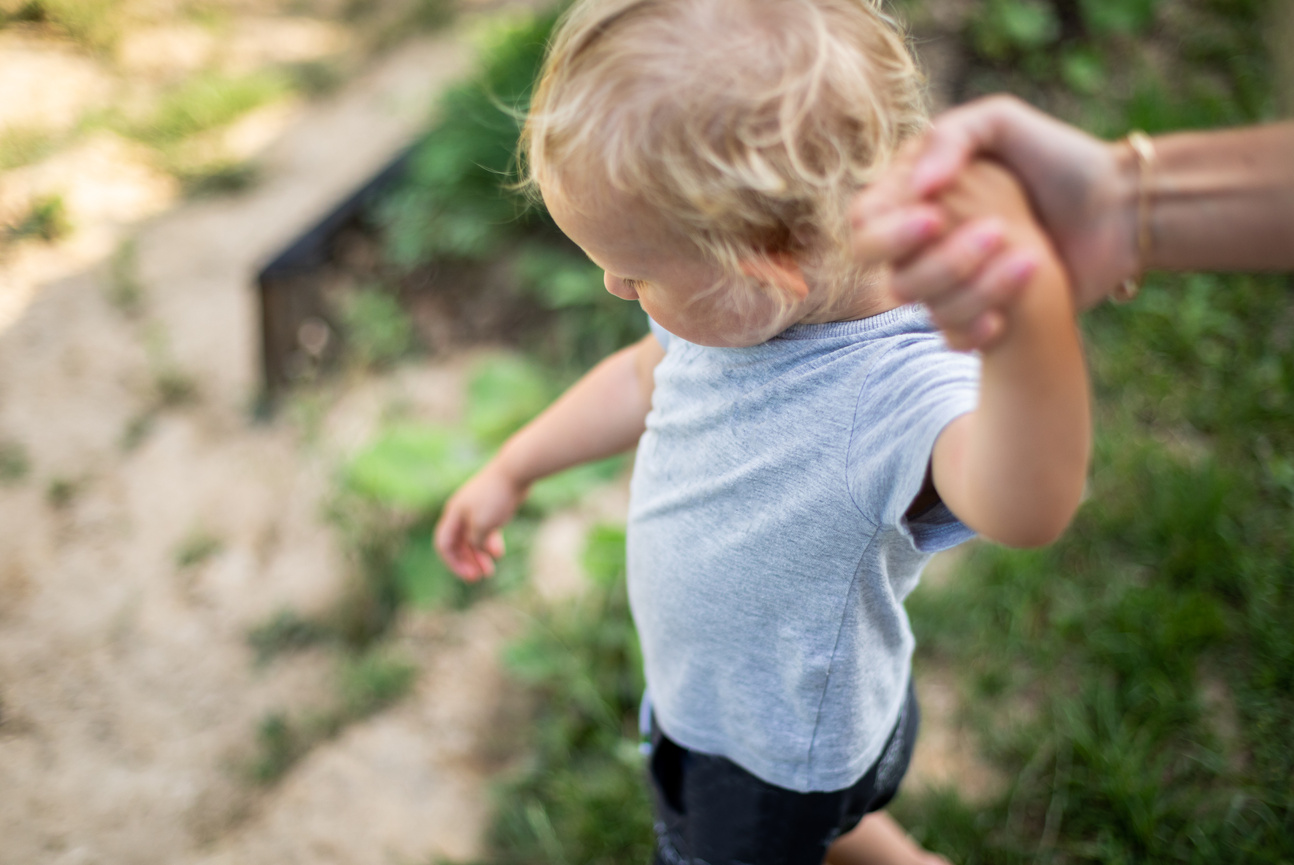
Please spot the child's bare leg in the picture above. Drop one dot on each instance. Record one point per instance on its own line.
(878, 840)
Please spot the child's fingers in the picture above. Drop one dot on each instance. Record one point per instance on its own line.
(949, 264)
(981, 333)
(452, 542)
(494, 544)
(996, 285)
(896, 235)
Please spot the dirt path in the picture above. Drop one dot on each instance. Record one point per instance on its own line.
(128, 696)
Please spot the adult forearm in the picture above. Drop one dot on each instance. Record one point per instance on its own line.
(1221, 200)
(602, 414)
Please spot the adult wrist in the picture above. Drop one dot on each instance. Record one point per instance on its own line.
(1126, 202)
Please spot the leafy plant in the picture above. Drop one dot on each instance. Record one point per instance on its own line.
(378, 330)
(1138, 658)
(206, 101)
(457, 201)
(196, 548)
(366, 684)
(460, 203)
(46, 218)
(414, 468)
(1006, 28)
(581, 797)
(14, 462)
(504, 392)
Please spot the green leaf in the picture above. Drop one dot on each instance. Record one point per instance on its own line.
(505, 392)
(604, 554)
(414, 468)
(568, 487)
(1117, 16)
(1083, 72)
(424, 579)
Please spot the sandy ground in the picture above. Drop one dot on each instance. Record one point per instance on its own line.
(129, 698)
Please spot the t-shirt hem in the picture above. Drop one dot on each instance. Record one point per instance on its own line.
(798, 776)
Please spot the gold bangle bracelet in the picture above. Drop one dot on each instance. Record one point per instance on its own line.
(1143, 148)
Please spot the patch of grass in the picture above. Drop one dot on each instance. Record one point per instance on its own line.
(316, 78)
(14, 463)
(125, 289)
(377, 329)
(205, 102)
(93, 24)
(175, 388)
(196, 548)
(21, 146)
(372, 681)
(366, 684)
(221, 177)
(581, 797)
(287, 631)
(61, 492)
(46, 219)
(138, 429)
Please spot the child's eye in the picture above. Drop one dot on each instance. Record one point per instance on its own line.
(634, 284)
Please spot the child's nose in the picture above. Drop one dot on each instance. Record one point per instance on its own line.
(617, 286)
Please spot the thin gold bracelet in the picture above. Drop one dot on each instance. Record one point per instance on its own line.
(1144, 150)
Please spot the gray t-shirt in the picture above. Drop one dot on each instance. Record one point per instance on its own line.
(768, 550)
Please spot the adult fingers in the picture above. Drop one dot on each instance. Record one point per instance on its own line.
(948, 265)
(959, 135)
(972, 317)
(896, 235)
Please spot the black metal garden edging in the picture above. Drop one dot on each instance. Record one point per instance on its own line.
(298, 332)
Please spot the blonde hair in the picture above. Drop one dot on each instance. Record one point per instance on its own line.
(749, 124)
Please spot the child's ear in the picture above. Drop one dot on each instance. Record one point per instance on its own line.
(779, 269)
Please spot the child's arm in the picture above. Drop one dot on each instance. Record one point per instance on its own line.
(602, 414)
(1014, 469)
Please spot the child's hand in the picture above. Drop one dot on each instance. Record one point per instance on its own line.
(468, 535)
(992, 253)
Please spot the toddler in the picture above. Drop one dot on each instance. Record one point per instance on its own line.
(804, 442)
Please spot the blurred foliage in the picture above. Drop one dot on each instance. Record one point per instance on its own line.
(197, 547)
(94, 24)
(204, 102)
(216, 177)
(366, 683)
(388, 499)
(505, 392)
(580, 796)
(125, 288)
(46, 218)
(1130, 681)
(377, 329)
(21, 146)
(14, 462)
(459, 202)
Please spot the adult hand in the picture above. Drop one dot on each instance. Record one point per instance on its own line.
(1082, 190)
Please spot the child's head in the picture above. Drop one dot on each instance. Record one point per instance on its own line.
(734, 131)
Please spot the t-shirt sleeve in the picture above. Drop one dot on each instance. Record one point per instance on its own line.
(911, 393)
(662, 335)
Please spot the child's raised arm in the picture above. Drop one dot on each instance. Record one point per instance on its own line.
(602, 414)
(1014, 469)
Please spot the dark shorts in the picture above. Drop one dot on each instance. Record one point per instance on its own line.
(710, 810)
